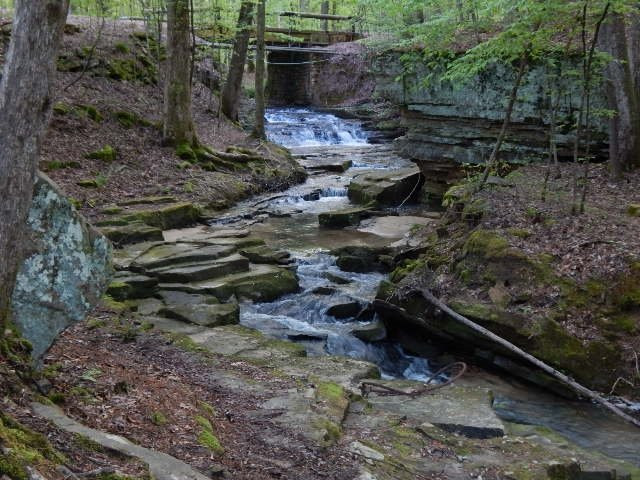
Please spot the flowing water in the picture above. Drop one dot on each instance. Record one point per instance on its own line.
(289, 221)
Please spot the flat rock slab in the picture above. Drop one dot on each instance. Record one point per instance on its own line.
(345, 217)
(264, 254)
(124, 257)
(130, 286)
(161, 465)
(384, 187)
(344, 371)
(181, 298)
(328, 164)
(134, 232)
(462, 410)
(262, 283)
(202, 232)
(394, 226)
(373, 332)
(167, 254)
(198, 271)
(203, 314)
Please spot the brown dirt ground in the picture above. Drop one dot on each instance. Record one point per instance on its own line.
(601, 244)
(144, 167)
(117, 386)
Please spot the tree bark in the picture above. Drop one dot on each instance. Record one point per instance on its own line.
(493, 159)
(260, 70)
(622, 76)
(231, 91)
(25, 103)
(178, 124)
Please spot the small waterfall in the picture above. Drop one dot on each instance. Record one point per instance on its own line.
(299, 127)
(334, 192)
(303, 315)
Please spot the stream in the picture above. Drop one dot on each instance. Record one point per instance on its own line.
(289, 221)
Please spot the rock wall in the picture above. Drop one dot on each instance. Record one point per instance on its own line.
(65, 276)
(448, 125)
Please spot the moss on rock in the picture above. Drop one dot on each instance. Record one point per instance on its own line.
(106, 154)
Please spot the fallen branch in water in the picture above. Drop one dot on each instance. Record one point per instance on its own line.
(584, 391)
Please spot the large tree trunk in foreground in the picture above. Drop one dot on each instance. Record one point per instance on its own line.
(231, 92)
(622, 76)
(25, 106)
(178, 124)
(260, 70)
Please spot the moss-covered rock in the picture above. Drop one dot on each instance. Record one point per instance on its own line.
(106, 154)
(346, 217)
(89, 111)
(634, 210)
(23, 448)
(129, 119)
(133, 232)
(175, 215)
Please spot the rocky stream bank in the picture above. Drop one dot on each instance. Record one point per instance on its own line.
(173, 360)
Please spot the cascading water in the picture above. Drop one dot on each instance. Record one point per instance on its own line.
(303, 316)
(289, 220)
(299, 127)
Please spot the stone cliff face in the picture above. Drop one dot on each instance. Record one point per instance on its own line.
(448, 125)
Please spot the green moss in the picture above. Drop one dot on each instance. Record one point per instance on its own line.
(634, 210)
(207, 437)
(88, 183)
(94, 323)
(486, 244)
(625, 323)
(112, 210)
(106, 154)
(87, 444)
(89, 111)
(207, 408)
(332, 393)
(158, 418)
(129, 119)
(184, 342)
(331, 432)
(58, 165)
(474, 210)
(62, 108)
(114, 305)
(119, 290)
(24, 447)
(519, 232)
(128, 69)
(406, 268)
(185, 152)
(209, 440)
(121, 47)
(172, 216)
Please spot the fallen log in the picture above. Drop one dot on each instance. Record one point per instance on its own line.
(578, 388)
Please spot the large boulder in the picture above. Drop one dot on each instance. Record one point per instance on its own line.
(386, 187)
(67, 274)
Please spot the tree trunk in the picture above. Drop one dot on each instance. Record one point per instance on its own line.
(231, 92)
(25, 103)
(620, 39)
(260, 70)
(493, 159)
(178, 123)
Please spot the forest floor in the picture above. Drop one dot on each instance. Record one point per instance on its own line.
(109, 94)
